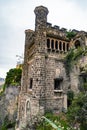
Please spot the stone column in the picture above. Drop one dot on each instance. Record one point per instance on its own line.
(86, 41)
(62, 46)
(65, 46)
(50, 43)
(65, 101)
(58, 45)
(54, 44)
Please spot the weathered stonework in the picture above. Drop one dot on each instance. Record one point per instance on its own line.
(9, 104)
(44, 81)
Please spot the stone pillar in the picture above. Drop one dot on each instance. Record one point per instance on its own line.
(50, 43)
(86, 41)
(62, 46)
(54, 44)
(58, 45)
(65, 46)
(65, 101)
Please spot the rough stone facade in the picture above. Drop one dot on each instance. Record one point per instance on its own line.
(44, 81)
(9, 104)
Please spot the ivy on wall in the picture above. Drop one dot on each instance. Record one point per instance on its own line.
(70, 34)
(73, 56)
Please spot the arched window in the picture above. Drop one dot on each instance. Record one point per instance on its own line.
(48, 43)
(52, 44)
(56, 45)
(28, 109)
(60, 45)
(64, 46)
(67, 46)
(28, 105)
(77, 44)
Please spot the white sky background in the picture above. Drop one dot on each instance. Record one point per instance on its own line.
(18, 15)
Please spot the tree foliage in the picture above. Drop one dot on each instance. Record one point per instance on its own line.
(13, 77)
(70, 34)
(77, 112)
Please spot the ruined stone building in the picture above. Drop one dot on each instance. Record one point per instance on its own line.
(44, 81)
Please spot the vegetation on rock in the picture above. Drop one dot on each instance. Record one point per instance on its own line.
(7, 124)
(13, 77)
(77, 112)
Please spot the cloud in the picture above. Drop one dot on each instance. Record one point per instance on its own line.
(80, 3)
(67, 14)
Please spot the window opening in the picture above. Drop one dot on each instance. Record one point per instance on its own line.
(77, 44)
(52, 44)
(60, 45)
(67, 46)
(58, 83)
(56, 45)
(31, 83)
(64, 46)
(48, 43)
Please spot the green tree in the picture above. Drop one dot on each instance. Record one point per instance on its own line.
(13, 77)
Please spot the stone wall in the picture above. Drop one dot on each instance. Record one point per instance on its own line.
(9, 104)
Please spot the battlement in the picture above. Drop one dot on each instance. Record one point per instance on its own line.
(56, 27)
(56, 32)
(28, 30)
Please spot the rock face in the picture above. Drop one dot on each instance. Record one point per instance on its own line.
(8, 104)
(44, 81)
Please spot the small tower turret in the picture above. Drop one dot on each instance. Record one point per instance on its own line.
(41, 17)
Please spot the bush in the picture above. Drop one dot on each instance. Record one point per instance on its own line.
(59, 120)
(13, 77)
(77, 112)
(7, 124)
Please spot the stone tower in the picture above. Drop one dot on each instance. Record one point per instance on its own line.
(44, 81)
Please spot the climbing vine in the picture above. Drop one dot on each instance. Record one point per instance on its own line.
(70, 34)
(73, 56)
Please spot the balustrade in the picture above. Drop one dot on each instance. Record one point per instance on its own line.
(57, 45)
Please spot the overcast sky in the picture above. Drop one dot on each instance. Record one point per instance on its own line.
(18, 15)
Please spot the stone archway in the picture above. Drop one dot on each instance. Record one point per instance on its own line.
(28, 110)
(77, 44)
